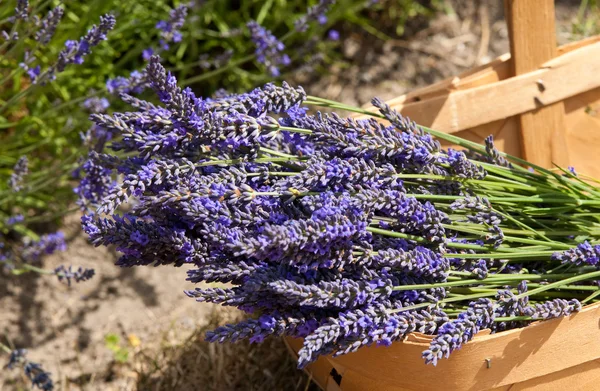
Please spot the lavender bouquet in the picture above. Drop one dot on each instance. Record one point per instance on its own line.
(345, 232)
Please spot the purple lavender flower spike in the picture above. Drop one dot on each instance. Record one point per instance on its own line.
(34, 372)
(480, 269)
(147, 54)
(453, 334)
(170, 29)
(166, 245)
(268, 48)
(96, 105)
(583, 254)
(459, 164)
(418, 262)
(553, 309)
(494, 154)
(48, 25)
(315, 13)
(384, 330)
(462, 167)
(355, 328)
(344, 293)
(409, 151)
(17, 177)
(256, 330)
(47, 244)
(136, 83)
(407, 214)
(485, 215)
(508, 305)
(75, 51)
(227, 271)
(495, 236)
(16, 219)
(337, 175)
(267, 99)
(33, 73)
(324, 240)
(22, 9)
(68, 274)
(96, 183)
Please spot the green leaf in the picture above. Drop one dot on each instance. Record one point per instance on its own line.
(122, 355)
(111, 341)
(264, 11)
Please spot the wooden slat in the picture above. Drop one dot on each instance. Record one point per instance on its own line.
(498, 69)
(533, 41)
(548, 355)
(565, 76)
(494, 71)
(583, 132)
(318, 371)
(516, 356)
(505, 132)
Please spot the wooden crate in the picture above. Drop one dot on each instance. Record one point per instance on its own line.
(540, 102)
(553, 355)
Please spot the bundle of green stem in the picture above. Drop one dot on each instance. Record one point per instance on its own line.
(548, 224)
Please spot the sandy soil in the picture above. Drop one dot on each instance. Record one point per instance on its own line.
(67, 326)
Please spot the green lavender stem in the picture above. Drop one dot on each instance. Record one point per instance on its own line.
(5, 348)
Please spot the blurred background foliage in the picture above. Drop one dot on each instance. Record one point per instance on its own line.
(587, 22)
(46, 123)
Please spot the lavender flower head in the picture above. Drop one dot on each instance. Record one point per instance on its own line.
(48, 244)
(268, 48)
(96, 105)
(16, 219)
(147, 54)
(553, 309)
(97, 180)
(34, 372)
(33, 73)
(134, 84)
(583, 254)
(170, 29)
(494, 155)
(453, 334)
(80, 274)
(22, 9)
(315, 13)
(75, 51)
(48, 25)
(17, 177)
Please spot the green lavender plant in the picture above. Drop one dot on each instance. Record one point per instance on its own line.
(113, 343)
(215, 51)
(587, 21)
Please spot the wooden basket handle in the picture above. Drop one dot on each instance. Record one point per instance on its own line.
(531, 27)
